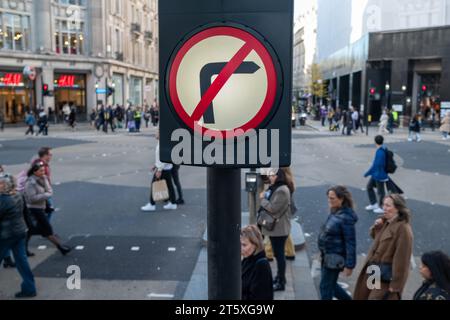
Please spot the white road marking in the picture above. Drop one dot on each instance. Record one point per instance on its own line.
(135, 248)
(109, 248)
(172, 249)
(160, 295)
(343, 285)
(307, 235)
(42, 247)
(79, 248)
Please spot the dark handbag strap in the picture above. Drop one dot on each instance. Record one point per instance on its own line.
(388, 293)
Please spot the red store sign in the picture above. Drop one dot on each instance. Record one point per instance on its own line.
(11, 79)
(66, 81)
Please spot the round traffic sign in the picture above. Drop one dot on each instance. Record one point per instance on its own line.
(30, 72)
(223, 79)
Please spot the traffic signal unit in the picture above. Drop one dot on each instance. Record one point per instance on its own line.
(45, 91)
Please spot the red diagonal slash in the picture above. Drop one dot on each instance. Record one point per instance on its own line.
(220, 81)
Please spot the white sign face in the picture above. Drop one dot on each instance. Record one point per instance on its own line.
(30, 72)
(223, 79)
(397, 107)
(445, 107)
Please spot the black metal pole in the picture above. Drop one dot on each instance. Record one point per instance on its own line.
(368, 116)
(224, 225)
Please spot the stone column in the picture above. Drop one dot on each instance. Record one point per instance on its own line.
(43, 26)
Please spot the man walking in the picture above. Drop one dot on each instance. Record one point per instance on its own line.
(162, 171)
(378, 177)
(176, 180)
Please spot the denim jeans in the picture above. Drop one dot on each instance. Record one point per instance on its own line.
(329, 287)
(17, 245)
(278, 244)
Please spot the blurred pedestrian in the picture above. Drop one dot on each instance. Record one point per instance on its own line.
(445, 127)
(13, 233)
(161, 171)
(414, 129)
(390, 123)
(383, 123)
(37, 192)
(378, 177)
(137, 119)
(256, 271)
(2, 120)
(176, 180)
(72, 117)
(30, 121)
(7, 260)
(337, 243)
(390, 253)
(42, 123)
(435, 269)
(289, 248)
(276, 202)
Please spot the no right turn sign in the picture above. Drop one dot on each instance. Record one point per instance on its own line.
(224, 79)
(226, 74)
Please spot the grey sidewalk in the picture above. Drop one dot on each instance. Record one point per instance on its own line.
(300, 284)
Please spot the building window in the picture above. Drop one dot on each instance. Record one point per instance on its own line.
(69, 38)
(14, 32)
(73, 2)
(136, 91)
(118, 11)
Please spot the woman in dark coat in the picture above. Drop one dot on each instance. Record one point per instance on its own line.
(13, 233)
(256, 272)
(337, 243)
(435, 269)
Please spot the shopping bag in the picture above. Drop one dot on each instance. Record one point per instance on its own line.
(160, 192)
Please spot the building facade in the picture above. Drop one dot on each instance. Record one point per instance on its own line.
(305, 38)
(78, 49)
(396, 49)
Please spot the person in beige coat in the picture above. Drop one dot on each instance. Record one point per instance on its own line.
(445, 126)
(277, 201)
(390, 254)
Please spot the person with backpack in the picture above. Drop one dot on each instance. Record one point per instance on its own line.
(30, 121)
(379, 176)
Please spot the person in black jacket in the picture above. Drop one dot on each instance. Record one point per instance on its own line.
(13, 233)
(256, 272)
(337, 243)
(435, 269)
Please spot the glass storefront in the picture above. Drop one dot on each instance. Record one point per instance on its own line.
(16, 95)
(70, 89)
(118, 89)
(136, 91)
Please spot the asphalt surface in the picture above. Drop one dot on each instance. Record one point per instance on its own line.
(101, 181)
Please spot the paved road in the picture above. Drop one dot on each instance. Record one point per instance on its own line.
(102, 180)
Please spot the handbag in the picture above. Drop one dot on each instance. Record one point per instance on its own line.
(265, 219)
(160, 192)
(386, 272)
(333, 261)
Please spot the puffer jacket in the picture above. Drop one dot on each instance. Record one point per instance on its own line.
(37, 192)
(338, 236)
(12, 223)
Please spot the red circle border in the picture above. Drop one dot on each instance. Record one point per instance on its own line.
(270, 71)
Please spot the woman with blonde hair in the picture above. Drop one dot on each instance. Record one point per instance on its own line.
(390, 253)
(256, 272)
(13, 233)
